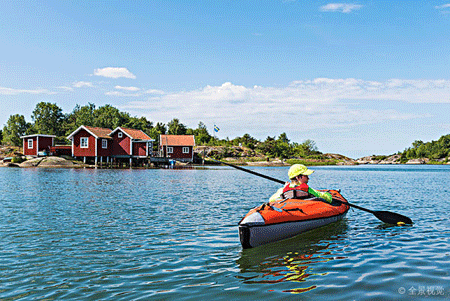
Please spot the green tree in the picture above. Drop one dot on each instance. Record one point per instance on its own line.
(282, 147)
(202, 137)
(175, 127)
(272, 147)
(1, 135)
(310, 146)
(140, 124)
(110, 117)
(305, 149)
(267, 147)
(158, 129)
(432, 150)
(246, 140)
(283, 138)
(249, 141)
(47, 119)
(15, 127)
(417, 143)
(84, 115)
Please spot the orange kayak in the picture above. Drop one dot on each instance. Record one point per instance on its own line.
(289, 217)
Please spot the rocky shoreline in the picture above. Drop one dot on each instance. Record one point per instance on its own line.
(243, 156)
(234, 155)
(394, 159)
(50, 161)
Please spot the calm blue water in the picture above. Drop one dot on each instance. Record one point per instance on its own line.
(172, 235)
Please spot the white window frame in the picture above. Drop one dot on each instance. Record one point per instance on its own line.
(104, 143)
(30, 143)
(170, 150)
(119, 134)
(82, 144)
(185, 150)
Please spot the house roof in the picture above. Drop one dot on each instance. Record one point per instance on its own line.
(94, 131)
(133, 134)
(37, 135)
(177, 140)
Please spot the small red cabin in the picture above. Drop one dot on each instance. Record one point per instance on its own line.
(88, 141)
(178, 147)
(130, 142)
(35, 144)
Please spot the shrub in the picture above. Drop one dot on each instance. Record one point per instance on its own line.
(17, 160)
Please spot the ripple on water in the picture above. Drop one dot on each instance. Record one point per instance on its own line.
(172, 235)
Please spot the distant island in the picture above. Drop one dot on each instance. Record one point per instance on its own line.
(243, 156)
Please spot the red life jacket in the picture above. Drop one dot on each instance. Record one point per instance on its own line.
(302, 186)
(300, 192)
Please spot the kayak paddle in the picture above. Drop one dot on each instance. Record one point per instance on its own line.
(384, 216)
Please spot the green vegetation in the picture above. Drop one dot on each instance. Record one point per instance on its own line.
(47, 119)
(433, 150)
(14, 128)
(17, 160)
(379, 157)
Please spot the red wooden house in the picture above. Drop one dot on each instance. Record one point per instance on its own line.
(178, 147)
(88, 141)
(99, 143)
(131, 143)
(37, 143)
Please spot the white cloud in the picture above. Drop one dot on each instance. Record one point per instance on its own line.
(309, 104)
(65, 88)
(340, 7)
(444, 6)
(113, 72)
(444, 9)
(82, 84)
(155, 91)
(11, 91)
(132, 89)
(122, 94)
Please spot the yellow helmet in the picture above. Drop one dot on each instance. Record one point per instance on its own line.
(299, 169)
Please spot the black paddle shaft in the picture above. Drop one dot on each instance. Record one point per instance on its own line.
(252, 172)
(384, 216)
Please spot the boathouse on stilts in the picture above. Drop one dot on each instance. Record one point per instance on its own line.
(102, 147)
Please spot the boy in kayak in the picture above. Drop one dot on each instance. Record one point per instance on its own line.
(299, 176)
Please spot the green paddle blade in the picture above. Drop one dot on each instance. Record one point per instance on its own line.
(392, 218)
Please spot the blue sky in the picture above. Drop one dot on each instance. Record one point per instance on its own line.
(358, 78)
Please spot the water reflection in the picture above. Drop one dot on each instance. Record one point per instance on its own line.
(292, 260)
(395, 227)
